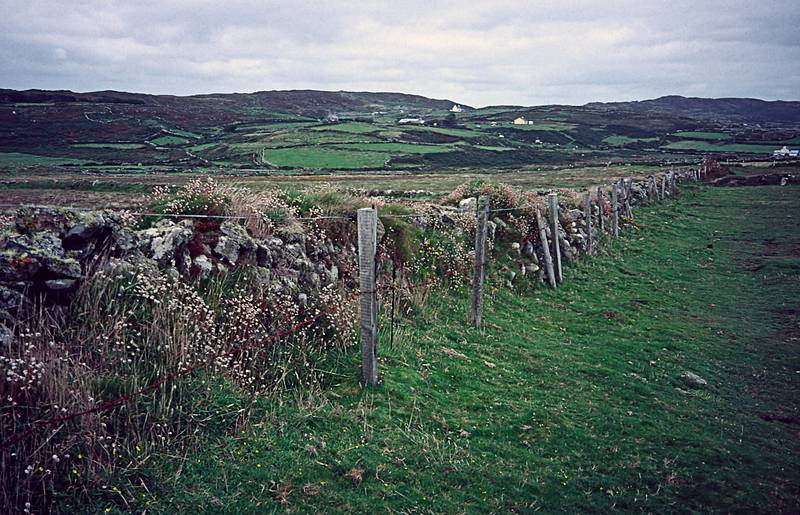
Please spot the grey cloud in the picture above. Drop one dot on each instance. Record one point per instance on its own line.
(477, 52)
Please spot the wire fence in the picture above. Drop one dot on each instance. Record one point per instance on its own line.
(369, 292)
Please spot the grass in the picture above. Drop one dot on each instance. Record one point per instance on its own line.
(704, 146)
(566, 401)
(169, 140)
(399, 148)
(711, 135)
(325, 157)
(618, 141)
(19, 158)
(352, 127)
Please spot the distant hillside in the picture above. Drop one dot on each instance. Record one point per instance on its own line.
(300, 102)
(743, 110)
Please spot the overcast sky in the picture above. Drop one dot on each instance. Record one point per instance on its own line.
(474, 52)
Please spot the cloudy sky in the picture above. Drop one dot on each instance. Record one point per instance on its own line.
(475, 52)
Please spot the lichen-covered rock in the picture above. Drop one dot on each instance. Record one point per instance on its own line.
(6, 336)
(10, 299)
(162, 241)
(468, 205)
(203, 265)
(34, 220)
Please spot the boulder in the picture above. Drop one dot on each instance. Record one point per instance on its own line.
(6, 336)
(693, 380)
(527, 249)
(228, 249)
(10, 299)
(34, 220)
(161, 242)
(468, 205)
(203, 265)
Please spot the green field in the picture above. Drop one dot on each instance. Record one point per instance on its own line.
(19, 158)
(325, 157)
(703, 146)
(357, 128)
(169, 140)
(566, 401)
(618, 141)
(398, 148)
(711, 135)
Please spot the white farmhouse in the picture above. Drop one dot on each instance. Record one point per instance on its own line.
(520, 121)
(456, 108)
(786, 152)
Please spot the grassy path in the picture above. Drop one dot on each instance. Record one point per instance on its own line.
(565, 401)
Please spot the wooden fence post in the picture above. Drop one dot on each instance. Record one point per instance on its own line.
(587, 216)
(614, 210)
(368, 313)
(552, 204)
(663, 187)
(601, 204)
(480, 260)
(548, 259)
(628, 197)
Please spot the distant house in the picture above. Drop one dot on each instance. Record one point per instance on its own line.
(331, 118)
(493, 124)
(456, 108)
(520, 121)
(786, 152)
(411, 121)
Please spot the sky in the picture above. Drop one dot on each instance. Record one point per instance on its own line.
(474, 52)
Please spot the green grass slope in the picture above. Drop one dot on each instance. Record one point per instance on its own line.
(566, 401)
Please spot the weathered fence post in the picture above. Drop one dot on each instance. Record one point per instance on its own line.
(587, 216)
(368, 313)
(480, 260)
(614, 210)
(653, 190)
(628, 197)
(548, 259)
(663, 187)
(601, 204)
(552, 204)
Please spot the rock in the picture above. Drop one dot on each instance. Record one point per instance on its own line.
(500, 223)
(332, 274)
(263, 256)
(162, 241)
(35, 220)
(228, 249)
(6, 336)
(238, 234)
(528, 249)
(693, 380)
(10, 300)
(61, 285)
(468, 205)
(491, 230)
(533, 268)
(203, 265)
(302, 299)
